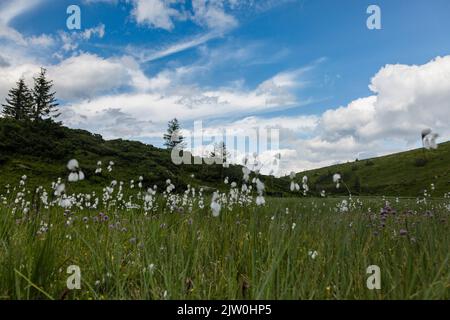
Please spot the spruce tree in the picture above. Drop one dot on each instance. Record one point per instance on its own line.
(45, 105)
(220, 151)
(19, 102)
(173, 137)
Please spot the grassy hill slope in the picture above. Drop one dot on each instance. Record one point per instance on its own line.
(404, 174)
(41, 152)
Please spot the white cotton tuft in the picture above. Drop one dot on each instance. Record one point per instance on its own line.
(72, 165)
(336, 177)
(215, 206)
(81, 175)
(260, 201)
(73, 177)
(259, 186)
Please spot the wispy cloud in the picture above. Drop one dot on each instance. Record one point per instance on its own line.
(145, 56)
(10, 10)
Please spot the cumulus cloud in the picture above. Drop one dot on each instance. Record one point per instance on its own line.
(406, 100)
(87, 75)
(115, 97)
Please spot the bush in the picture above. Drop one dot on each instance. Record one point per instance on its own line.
(420, 162)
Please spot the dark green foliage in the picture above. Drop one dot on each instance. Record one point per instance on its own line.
(420, 162)
(19, 102)
(173, 136)
(41, 150)
(369, 163)
(44, 102)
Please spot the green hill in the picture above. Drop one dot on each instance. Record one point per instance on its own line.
(407, 173)
(41, 151)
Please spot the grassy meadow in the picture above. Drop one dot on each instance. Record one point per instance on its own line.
(292, 248)
(209, 232)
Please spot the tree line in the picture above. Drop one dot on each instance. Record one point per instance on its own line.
(35, 104)
(39, 104)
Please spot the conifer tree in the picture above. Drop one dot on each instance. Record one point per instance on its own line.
(173, 137)
(19, 102)
(44, 101)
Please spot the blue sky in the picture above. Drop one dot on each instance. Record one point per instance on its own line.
(312, 69)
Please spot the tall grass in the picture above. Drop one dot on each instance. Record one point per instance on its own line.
(247, 253)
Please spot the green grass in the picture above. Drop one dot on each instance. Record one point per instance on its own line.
(246, 253)
(42, 150)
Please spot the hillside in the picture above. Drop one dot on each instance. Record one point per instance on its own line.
(402, 174)
(41, 152)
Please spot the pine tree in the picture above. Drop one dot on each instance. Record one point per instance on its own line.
(173, 137)
(220, 151)
(19, 102)
(45, 105)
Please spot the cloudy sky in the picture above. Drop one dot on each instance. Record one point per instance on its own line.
(311, 69)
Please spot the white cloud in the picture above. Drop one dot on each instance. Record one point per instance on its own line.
(162, 14)
(406, 100)
(70, 41)
(88, 75)
(187, 103)
(116, 98)
(212, 15)
(156, 13)
(9, 10)
(152, 55)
